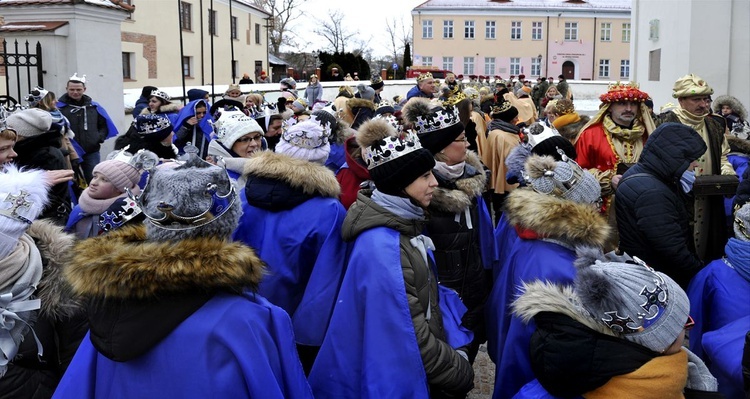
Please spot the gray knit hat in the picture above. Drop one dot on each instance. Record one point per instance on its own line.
(637, 303)
(30, 122)
(193, 199)
(563, 179)
(742, 223)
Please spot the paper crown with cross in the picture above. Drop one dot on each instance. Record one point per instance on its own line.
(23, 195)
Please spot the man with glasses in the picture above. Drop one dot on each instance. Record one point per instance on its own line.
(708, 219)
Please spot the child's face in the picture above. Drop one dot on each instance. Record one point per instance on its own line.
(234, 93)
(101, 188)
(6, 151)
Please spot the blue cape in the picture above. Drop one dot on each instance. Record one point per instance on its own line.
(111, 128)
(723, 351)
(75, 216)
(209, 355)
(188, 112)
(370, 350)
(305, 255)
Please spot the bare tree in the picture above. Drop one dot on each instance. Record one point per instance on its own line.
(398, 36)
(333, 30)
(283, 13)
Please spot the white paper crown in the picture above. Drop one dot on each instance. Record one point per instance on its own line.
(151, 123)
(390, 148)
(36, 95)
(76, 78)
(437, 120)
(160, 94)
(537, 133)
(307, 134)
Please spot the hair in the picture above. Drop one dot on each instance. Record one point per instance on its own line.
(275, 117)
(48, 102)
(464, 111)
(8, 134)
(75, 81)
(161, 100)
(256, 98)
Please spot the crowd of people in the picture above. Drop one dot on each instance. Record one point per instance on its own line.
(367, 247)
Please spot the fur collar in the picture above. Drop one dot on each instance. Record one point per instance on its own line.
(551, 217)
(310, 177)
(125, 265)
(360, 103)
(56, 247)
(543, 296)
(164, 109)
(457, 199)
(738, 145)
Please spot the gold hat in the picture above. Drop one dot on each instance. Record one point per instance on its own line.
(424, 76)
(690, 86)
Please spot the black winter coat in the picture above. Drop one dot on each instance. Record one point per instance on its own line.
(652, 219)
(89, 127)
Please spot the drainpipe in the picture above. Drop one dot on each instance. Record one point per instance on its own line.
(594, 76)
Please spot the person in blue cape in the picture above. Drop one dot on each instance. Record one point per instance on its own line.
(553, 216)
(727, 349)
(292, 217)
(393, 333)
(193, 125)
(238, 137)
(142, 101)
(173, 307)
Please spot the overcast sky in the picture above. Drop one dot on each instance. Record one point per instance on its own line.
(368, 17)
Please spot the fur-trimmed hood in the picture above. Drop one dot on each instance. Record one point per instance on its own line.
(125, 265)
(738, 145)
(454, 200)
(56, 248)
(556, 218)
(311, 178)
(733, 102)
(164, 109)
(355, 103)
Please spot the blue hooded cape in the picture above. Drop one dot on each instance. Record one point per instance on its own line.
(723, 350)
(209, 355)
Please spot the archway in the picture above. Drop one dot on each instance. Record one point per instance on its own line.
(569, 70)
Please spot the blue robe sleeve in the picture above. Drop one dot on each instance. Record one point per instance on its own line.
(486, 234)
(370, 350)
(723, 353)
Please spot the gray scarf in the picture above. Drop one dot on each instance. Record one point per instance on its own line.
(400, 206)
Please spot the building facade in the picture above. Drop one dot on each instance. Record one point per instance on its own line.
(583, 40)
(218, 43)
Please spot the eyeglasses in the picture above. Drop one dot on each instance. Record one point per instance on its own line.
(246, 139)
(690, 323)
(463, 140)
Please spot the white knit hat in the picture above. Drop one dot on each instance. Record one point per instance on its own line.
(23, 195)
(234, 124)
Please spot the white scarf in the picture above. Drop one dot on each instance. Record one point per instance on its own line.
(450, 172)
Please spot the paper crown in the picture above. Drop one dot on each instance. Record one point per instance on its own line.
(390, 148)
(309, 134)
(424, 76)
(456, 97)
(121, 212)
(392, 120)
(623, 92)
(438, 119)
(76, 78)
(151, 123)
(564, 107)
(35, 96)
(142, 160)
(161, 94)
(499, 109)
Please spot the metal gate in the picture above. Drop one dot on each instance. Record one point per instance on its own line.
(20, 67)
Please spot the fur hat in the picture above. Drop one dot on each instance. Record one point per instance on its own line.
(23, 195)
(153, 127)
(562, 179)
(435, 125)
(366, 92)
(30, 122)
(234, 124)
(194, 199)
(393, 160)
(306, 140)
(691, 85)
(505, 112)
(742, 223)
(634, 301)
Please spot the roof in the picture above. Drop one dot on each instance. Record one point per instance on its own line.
(272, 59)
(253, 6)
(522, 5)
(111, 4)
(43, 26)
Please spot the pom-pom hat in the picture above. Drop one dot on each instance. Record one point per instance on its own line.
(563, 179)
(617, 92)
(436, 126)
(232, 125)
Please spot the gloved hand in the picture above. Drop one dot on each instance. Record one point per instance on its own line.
(699, 378)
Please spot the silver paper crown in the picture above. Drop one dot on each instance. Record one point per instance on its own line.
(438, 119)
(18, 201)
(152, 123)
(307, 134)
(114, 219)
(36, 95)
(390, 148)
(160, 94)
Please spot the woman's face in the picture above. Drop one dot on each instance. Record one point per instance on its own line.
(313, 79)
(421, 189)
(455, 152)
(153, 104)
(247, 145)
(7, 154)
(552, 92)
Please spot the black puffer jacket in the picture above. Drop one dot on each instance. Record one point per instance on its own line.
(652, 219)
(90, 127)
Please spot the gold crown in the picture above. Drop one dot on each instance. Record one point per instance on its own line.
(424, 76)
(456, 97)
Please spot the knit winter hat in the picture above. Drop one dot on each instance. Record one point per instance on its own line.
(742, 223)
(562, 179)
(505, 112)
(288, 83)
(299, 105)
(306, 140)
(120, 174)
(394, 161)
(366, 92)
(30, 122)
(691, 85)
(637, 303)
(153, 127)
(234, 124)
(23, 195)
(376, 81)
(435, 125)
(194, 199)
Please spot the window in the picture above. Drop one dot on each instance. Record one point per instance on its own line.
(626, 32)
(212, 23)
(603, 68)
(447, 29)
(448, 63)
(427, 29)
(187, 67)
(257, 33)
(427, 61)
(468, 29)
(489, 29)
(489, 65)
(515, 30)
(571, 31)
(233, 28)
(625, 69)
(536, 66)
(468, 65)
(515, 66)
(654, 65)
(606, 32)
(536, 31)
(127, 66)
(186, 15)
